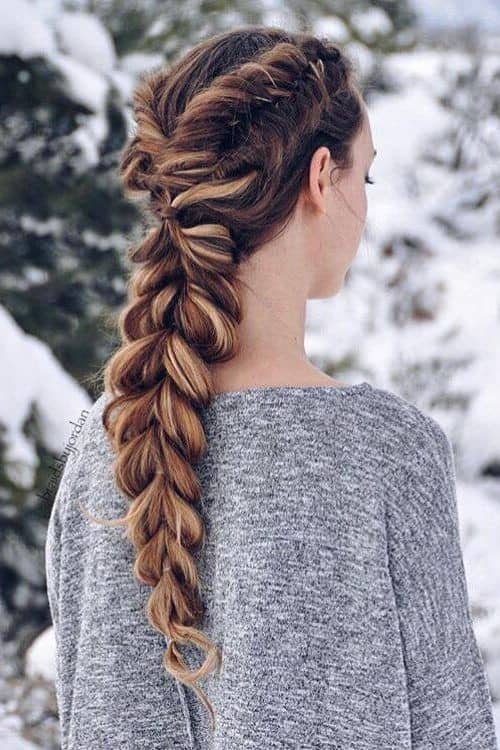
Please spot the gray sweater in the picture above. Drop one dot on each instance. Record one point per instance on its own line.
(332, 575)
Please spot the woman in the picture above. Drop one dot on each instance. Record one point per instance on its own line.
(289, 541)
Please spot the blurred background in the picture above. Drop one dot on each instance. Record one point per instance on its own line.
(419, 313)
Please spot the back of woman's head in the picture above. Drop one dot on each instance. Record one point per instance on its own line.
(221, 152)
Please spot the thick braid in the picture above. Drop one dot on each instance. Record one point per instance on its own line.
(211, 171)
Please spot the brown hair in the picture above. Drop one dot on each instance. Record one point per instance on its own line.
(221, 151)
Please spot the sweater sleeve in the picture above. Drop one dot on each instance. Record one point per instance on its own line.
(448, 693)
(112, 687)
(53, 567)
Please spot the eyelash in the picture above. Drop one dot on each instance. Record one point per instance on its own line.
(369, 180)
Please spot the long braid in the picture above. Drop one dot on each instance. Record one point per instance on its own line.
(219, 177)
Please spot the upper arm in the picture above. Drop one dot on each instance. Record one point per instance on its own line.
(448, 692)
(52, 561)
(112, 687)
(52, 550)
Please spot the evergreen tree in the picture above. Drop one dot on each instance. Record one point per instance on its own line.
(64, 221)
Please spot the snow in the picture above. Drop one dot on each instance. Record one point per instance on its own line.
(333, 28)
(136, 63)
(40, 658)
(114, 240)
(450, 13)
(481, 424)
(479, 518)
(89, 136)
(123, 82)
(86, 85)
(371, 23)
(83, 36)
(51, 226)
(10, 739)
(43, 385)
(91, 89)
(23, 32)
(82, 51)
(361, 55)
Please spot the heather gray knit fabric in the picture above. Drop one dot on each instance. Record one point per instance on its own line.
(332, 575)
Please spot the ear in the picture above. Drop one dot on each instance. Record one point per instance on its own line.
(319, 177)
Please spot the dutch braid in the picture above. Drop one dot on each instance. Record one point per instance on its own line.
(222, 147)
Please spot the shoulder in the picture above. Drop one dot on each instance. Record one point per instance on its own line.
(92, 436)
(397, 410)
(409, 436)
(91, 451)
(95, 435)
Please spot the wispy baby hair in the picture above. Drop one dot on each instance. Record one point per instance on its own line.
(221, 150)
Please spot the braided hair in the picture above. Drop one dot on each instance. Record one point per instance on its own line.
(221, 151)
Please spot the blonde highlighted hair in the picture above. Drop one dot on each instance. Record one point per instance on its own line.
(221, 151)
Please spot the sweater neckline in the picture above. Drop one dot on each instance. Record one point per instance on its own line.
(284, 390)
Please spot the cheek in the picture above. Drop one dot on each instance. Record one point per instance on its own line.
(362, 201)
(357, 196)
(365, 202)
(350, 208)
